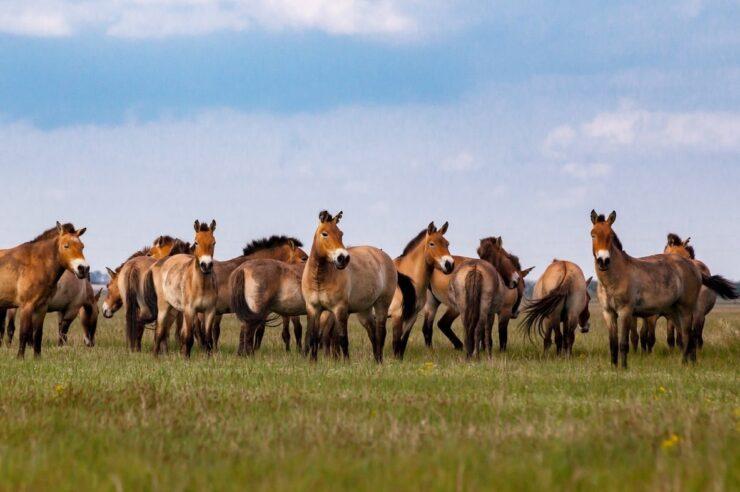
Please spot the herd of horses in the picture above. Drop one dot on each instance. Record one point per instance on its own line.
(178, 283)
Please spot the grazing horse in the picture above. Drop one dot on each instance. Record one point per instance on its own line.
(281, 248)
(705, 303)
(29, 274)
(560, 296)
(664, 285)
(426, 253)
(183, 283)
(73, 297)
(365, 285)
(490, 250)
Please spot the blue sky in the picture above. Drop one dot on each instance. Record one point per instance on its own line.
(508, 118)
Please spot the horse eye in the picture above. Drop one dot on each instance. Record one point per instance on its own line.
(431, 245)
(324, 234)
(66, 245)
(195, 243)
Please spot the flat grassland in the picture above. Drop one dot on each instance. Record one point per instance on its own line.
(102, 418)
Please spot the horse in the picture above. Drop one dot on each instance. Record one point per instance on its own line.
(490, 250)
(281, 248)
(705, 304)
(184, 283)
(73, 297)
(426, 253)
(29, 274)
(365, 285)
(664, 285)
(560, 296)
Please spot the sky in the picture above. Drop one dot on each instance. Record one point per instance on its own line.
(133, 118)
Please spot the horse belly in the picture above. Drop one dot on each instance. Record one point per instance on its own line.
(289, 301)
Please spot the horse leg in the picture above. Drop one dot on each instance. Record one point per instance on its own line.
(286, 333)
(25, 337)
(445, 326)
(569, 335)
(671, 335)
(684, 322)
(430, 311)
(312, 345)
(626, 327)
(297, 332)
(259, 333)
(341, 317)
(161, 328)
(610, 319)
(679, 336)
(188, 335)
(699, 330)
(216, 331)
(381, 317)
(210, 322)
(644, 335)
(488, 335)
(328, 335)
(38, 331)
(11, 325)
(368, 322)
(634, 336)
(558, 338)
(3, 315)
(64, 325)
(503, 332)
(547, 339)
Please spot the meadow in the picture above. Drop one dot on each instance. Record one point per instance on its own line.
(104, 419)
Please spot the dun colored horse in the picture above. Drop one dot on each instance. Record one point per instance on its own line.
(663, 285)
(426, 253)
(510, 280)
(183, 283)
(705, 303)
(560, 297)
(29, 274)
(365, 285)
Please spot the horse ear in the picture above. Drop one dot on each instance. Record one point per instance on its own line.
(686, 243)
(213, 225)
(323, 216)
(81, 232)
(196, 225)
(526, 272)
(499, 242)
(588, 282)
(59, 227)
(111, 273)
(97, 296)
(612, 217)
(594, 216)
(444, 227)
(431, 228)
(291, 244)
(338, 217)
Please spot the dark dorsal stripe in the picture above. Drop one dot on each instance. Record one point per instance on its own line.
(414, 243)
(273, 241)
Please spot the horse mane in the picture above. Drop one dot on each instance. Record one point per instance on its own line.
(413, 243)
(204, 227)
(164, 240)
(142, 252)
(486, 249)
(53, 232)
(675, 240)
(615, 238)
(180, 247)
(269, 242)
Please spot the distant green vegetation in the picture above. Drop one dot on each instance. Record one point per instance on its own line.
(90, 419)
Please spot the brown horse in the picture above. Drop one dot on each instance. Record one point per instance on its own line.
(506, 265)
(365, 285)
(664, 285)
(183, 283)
(705, 304)
(73, 297)
(29, 274)
(281, 248)
(426, 253)
(560, 296)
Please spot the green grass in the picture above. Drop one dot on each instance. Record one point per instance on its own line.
(102, 418)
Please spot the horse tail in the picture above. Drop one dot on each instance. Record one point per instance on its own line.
(150, 294)
(408, 292)
(473, 294)
(539, 310)
(239, 305)
(132, 304)
(723, 287)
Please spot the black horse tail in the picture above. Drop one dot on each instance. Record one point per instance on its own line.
(723, 287)
(150, 294)
(409, 296)
(539, 310)
(473, 293)
(239, 305)
(132, 305)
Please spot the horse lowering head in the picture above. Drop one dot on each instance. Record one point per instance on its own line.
(204, 245)
(602, 239)
(436, 249)
(296, 255)
(161, 247)
(677, 246)
(584, 319)
(70, 249)
(113, 300)
(492, 250)
(327, 241)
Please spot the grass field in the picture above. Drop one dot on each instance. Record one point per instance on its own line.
(80, 419)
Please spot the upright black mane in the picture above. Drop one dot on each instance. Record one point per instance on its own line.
(142, 252)
(414, 243)
(53, 232)
(675, 240)
(273, 241)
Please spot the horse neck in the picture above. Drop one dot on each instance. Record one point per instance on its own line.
(317, 267)
(418, 269)
(49, 253)
(619, 263)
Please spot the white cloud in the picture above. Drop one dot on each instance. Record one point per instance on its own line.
(163, 18)
(587, 171)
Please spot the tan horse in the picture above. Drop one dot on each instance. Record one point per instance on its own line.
(426, 253)
(705, 304)
(663, 285)
(281, 248)
(511, 280)
(184, 283)
(560, 297)
(365, 285)
(29, 274)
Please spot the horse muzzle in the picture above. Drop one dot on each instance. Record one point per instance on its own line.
(82, 271)
(341, 261)
(206, 267)
(586, 329)
(603, 263)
